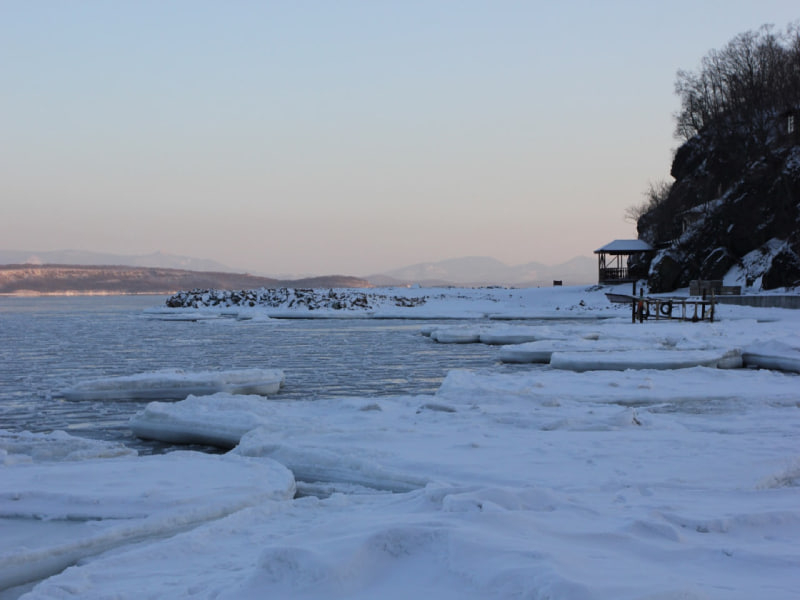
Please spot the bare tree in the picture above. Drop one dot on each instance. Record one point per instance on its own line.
(743, 85)
(655, 195)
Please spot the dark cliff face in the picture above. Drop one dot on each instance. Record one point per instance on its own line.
(735, 203)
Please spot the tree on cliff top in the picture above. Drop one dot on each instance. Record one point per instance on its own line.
(736, 188)
(749, 81)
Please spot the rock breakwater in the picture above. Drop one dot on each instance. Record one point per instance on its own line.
(291, 298)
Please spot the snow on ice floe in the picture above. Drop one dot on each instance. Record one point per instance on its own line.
(464, 334)
(177, 384)
(491, 334)
(781, 354)
(700, 387)
(605, 485)
(611, 485)
(27, 447)
(216, 420)
(54, 514)
(540, 351)
(645, 359)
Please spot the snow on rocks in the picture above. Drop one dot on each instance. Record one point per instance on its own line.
(395, 303)
(290, 298)
(177, 384)
(54, 514)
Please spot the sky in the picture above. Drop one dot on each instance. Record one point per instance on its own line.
(350, 137)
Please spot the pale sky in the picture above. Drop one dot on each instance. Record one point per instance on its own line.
(317, 137)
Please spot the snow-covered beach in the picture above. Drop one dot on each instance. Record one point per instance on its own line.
(675, 478)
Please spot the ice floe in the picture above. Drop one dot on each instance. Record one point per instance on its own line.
(54, 514)
(540, 351)
(27, 447)
(610, 485)
(176, 384)
(781, 354)
(216, 420)
(645, 359)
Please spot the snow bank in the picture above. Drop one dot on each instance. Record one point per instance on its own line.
(177, 384)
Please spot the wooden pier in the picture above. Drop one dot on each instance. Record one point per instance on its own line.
(680, 308)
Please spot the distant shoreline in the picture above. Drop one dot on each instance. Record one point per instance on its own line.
(74, 280)
(70, 293)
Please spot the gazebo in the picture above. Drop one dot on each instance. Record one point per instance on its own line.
(612, 260)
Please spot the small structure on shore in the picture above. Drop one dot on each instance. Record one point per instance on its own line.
(612, 260)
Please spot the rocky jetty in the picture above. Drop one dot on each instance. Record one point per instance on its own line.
(291, 298)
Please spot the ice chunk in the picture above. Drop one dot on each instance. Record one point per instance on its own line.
(514, 335)
(54, 514)
(779, 355)
(456, 335)
(541, 351)
(320, 464)
(174, 384)
(217, 420)
(27, 447)
(699, 386)
(644, 359)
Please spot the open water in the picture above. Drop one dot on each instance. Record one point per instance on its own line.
(50, 343)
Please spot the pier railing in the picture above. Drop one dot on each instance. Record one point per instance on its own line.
(609, 274)
(682, 309)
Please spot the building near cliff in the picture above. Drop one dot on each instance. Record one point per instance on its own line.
(614, 261)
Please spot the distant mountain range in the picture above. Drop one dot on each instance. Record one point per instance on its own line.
(96, 279)
(483, 270)
(159, 272)
(81, 257)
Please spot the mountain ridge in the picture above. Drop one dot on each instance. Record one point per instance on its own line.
(116, 279)
(468, 271)
(484, 270)
(88, 258)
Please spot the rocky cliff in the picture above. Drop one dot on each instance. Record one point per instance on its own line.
(733, 210)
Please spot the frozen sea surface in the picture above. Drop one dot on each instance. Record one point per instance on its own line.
(495, 482)
(53, 343)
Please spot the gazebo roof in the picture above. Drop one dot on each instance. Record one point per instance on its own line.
(625, 247)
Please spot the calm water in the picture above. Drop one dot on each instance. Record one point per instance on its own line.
(49, 343)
